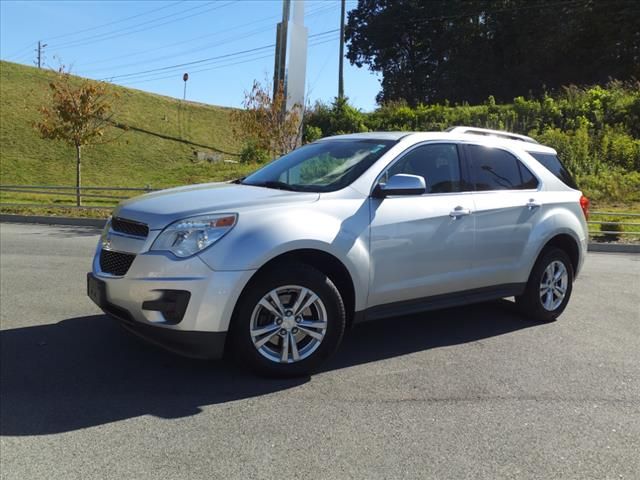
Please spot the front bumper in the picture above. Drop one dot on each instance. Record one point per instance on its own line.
(209, 345)
(212, 295)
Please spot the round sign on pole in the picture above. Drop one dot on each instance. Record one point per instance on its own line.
(185, 77)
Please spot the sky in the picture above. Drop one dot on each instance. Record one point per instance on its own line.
(227, 44)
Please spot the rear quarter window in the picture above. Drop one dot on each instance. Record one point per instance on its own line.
(552, 163)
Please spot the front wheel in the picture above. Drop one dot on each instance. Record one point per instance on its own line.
(289, 320)
(549, 287)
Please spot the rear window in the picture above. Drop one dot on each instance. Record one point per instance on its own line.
(554, 165)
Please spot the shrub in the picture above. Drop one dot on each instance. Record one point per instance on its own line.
(335, 119)
(252, 153)
(611, 186)
(311, 134)
(614, 229)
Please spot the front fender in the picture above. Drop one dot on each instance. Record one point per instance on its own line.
(339, 228)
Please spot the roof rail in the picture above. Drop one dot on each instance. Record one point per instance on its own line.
(491, 133)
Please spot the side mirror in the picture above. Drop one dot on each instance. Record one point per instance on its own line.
(401, 184)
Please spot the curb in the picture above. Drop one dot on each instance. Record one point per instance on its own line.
(42, 220)
(99, 223)
(614, 247)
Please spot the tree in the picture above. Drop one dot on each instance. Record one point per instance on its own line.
(265, 123)
(79, 113)
(460, 50)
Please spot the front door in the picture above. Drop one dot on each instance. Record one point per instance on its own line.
(422, 245)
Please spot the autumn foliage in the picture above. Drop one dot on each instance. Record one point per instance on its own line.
(78, 113)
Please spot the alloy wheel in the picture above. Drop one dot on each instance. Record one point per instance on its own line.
(553, 285)
(288, 324)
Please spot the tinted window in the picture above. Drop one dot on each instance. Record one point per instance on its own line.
(495, 169)
(528, 180)
(437, 163)
(553, 164)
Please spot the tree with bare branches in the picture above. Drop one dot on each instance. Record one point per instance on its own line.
(265, 123)
(78, 113)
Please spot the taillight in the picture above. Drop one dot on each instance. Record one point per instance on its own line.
(584, 204)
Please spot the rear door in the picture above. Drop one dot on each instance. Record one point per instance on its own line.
(507, 206)
(422, 245)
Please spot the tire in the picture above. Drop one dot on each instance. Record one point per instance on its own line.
(547, 304)
(313, 333)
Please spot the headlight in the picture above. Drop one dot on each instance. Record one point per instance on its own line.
(188, 236)
(105, 233)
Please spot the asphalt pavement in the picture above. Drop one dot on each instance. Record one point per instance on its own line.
(475, 392)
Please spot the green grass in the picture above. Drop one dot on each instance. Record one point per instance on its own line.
(135, 159)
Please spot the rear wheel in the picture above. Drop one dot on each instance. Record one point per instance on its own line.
(549, 287)
(288, 321)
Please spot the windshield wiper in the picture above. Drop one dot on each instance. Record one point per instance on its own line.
(274, 184)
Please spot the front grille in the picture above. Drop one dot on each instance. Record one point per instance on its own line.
(129, 227)
(115, 263)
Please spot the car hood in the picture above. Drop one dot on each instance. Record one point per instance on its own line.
(158, 209)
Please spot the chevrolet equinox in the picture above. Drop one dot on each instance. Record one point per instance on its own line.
(275, 266)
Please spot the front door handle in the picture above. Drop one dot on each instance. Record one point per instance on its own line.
(531, 204)
(459, 212)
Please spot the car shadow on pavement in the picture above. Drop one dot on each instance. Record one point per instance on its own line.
(87, 371)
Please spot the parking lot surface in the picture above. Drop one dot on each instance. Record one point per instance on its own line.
(473, 392)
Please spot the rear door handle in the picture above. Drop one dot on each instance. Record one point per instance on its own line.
(531, 204)
(459, 212)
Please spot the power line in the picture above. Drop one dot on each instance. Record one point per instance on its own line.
(312, 12)
(186, 52)
(217, 67)
(162, 47)
(124, 31)
(97, 27)
(214, 64)
(23, 51)
(204, 60)
(186, 64)
(104, 35)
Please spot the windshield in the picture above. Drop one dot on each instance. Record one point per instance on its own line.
(320, 167)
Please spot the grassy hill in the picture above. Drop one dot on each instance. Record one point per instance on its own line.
(157, 149)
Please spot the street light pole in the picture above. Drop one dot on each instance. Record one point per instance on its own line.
(185, 77)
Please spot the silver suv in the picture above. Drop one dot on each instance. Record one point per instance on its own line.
(275, 266)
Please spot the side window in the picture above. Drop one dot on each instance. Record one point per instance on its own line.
(437, 163)
(495, 169)
(554, 165)
(528, 180)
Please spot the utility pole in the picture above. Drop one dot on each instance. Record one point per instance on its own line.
(341, 62)
(40, 53)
